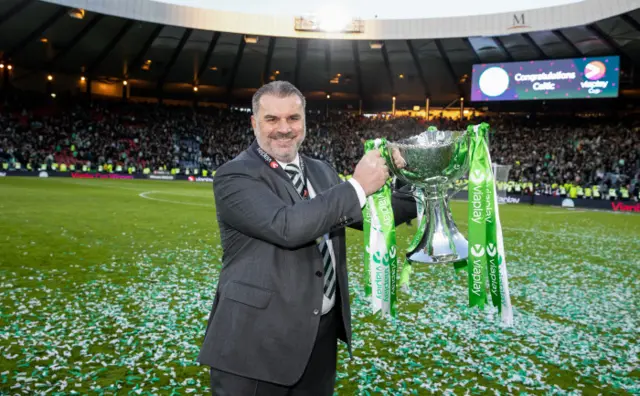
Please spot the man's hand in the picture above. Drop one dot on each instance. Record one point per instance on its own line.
(397, 159)
(371, 172)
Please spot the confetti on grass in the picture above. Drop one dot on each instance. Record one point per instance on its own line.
(131, 321)
(104, 336)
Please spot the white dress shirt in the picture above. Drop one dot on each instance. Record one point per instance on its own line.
(327, 303)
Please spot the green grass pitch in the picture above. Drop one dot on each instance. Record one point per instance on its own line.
(106, 285)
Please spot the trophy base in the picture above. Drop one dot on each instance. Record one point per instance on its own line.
(441, 243)
(421, 256)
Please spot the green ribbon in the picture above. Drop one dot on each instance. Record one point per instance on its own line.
(366, 228)
(380, 249)
(477, 260)
(486, 247)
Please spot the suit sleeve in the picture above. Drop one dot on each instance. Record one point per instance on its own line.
(404, 206)
(246, 203)
(404, 209)
(402, 202)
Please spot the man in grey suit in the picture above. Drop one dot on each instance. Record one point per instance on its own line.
(282, 300)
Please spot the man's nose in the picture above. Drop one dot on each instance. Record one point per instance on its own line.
(283, 125)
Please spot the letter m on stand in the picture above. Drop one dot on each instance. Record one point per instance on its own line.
(518, 20)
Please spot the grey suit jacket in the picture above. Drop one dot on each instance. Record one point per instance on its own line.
(267, 305)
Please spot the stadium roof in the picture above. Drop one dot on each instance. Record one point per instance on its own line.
(40, 38)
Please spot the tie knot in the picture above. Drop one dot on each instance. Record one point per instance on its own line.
(292, 170)
(295, 174)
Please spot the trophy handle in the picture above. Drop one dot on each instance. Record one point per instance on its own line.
(410, 192)
(403, 174)
(457, 188)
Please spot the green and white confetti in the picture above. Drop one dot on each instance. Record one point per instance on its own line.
(106, 292)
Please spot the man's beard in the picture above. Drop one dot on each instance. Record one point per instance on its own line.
(280, 136)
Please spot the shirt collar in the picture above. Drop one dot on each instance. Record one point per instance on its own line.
(296, 161)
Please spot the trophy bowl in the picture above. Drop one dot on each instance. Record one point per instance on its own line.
(435, 160)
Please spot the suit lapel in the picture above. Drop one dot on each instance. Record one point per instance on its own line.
(316, 176)
(275, 168)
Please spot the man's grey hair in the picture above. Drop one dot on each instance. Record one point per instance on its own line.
(280, 89)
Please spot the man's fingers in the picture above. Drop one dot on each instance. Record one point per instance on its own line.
(398, 160)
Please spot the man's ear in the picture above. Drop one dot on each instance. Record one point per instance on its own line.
(253, 123)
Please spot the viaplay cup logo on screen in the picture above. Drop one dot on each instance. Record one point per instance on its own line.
(595, 70)
(494, 81)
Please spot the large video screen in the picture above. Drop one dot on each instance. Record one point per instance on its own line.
(577, 78)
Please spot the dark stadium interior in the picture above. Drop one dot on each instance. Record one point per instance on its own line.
(227, 67)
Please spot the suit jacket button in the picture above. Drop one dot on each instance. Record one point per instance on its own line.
(318, 273)
(316, 311)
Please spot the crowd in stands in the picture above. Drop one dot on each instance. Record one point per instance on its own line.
(551, 153)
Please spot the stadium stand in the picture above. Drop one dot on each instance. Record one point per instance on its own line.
(572, 156)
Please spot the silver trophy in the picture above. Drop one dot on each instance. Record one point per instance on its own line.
(435, 160)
